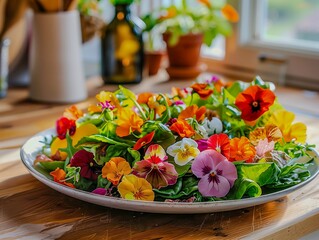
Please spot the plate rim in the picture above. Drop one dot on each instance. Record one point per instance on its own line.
(158, 207)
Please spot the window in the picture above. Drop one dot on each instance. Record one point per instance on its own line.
(272, 40)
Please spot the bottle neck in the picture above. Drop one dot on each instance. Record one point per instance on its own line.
(122, 11)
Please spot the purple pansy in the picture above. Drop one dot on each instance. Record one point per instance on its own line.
(84, 160)
(217, 175)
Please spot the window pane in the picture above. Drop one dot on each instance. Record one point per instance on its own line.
(294, 21)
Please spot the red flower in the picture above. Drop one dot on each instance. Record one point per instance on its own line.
(254, 102)
(63, 125)
(202, 90)
(220, 143)
(84, 160)
(144, 140)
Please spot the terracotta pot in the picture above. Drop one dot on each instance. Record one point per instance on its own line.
(186, 52)
(153, 61)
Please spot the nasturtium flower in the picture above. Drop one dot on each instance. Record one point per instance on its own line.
(230, 13)
(182, 128)
(144, 97)
(217, 175)
(85, 160)
(219, 143)
(115, 169)
(202, 89)
(82, 131)
(290, 131)
(213, 126)
(59, 177)
(128, 121)
(241, 149)
(254, 102)
(155, 169)
(183, 151)
(144, 140)
(193, 111)
(134, 188)
(73, 113)
(64, 126)
(270, 131)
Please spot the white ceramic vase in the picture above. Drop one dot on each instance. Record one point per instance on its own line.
(56, 66)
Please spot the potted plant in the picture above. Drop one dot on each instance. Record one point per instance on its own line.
(186, 27)
(153, 49)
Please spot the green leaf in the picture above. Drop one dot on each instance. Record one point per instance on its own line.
(51, 166)
(290, 176)
(73, 173)
(261, 173)
(135, 155)
(84, 184)
(102, 182)
(244, 187)
(101, 138)
(184, 188)
(237, 87)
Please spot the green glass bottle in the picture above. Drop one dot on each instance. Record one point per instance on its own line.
(122, 48)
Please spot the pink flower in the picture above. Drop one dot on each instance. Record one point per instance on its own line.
(154, 168)
(85, 160)
(217, 175)
(202, 144)
(263, 147)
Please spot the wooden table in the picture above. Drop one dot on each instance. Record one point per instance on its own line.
(33, 210)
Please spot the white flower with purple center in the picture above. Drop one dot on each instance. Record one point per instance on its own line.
(217, 175)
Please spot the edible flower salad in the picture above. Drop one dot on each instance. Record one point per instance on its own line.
(207, 142)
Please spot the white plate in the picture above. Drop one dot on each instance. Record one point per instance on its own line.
(33, 146)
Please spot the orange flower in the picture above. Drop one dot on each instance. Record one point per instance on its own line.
(241, 150)
(181, 93)
(230, 13)
(59, 177)
(73, 113)
(144, 97)
(254, 102)
(170, 13)
(128, 121)
(154, 104)
(94, 109)
(201, 90)
(182, 128)
(144, 140)
(115, 169)
(270, 132)
(206, 3)
(192, 111)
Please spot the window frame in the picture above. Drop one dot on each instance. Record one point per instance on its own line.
(244, 47)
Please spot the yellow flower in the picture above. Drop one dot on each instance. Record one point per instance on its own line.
(290, 131)
(154, 104)
(108, 97)
(128, 121)
(82, 131)
(183, 151)
(114, 169)
(135, 188)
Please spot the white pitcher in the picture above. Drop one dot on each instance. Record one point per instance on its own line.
(56, 66)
